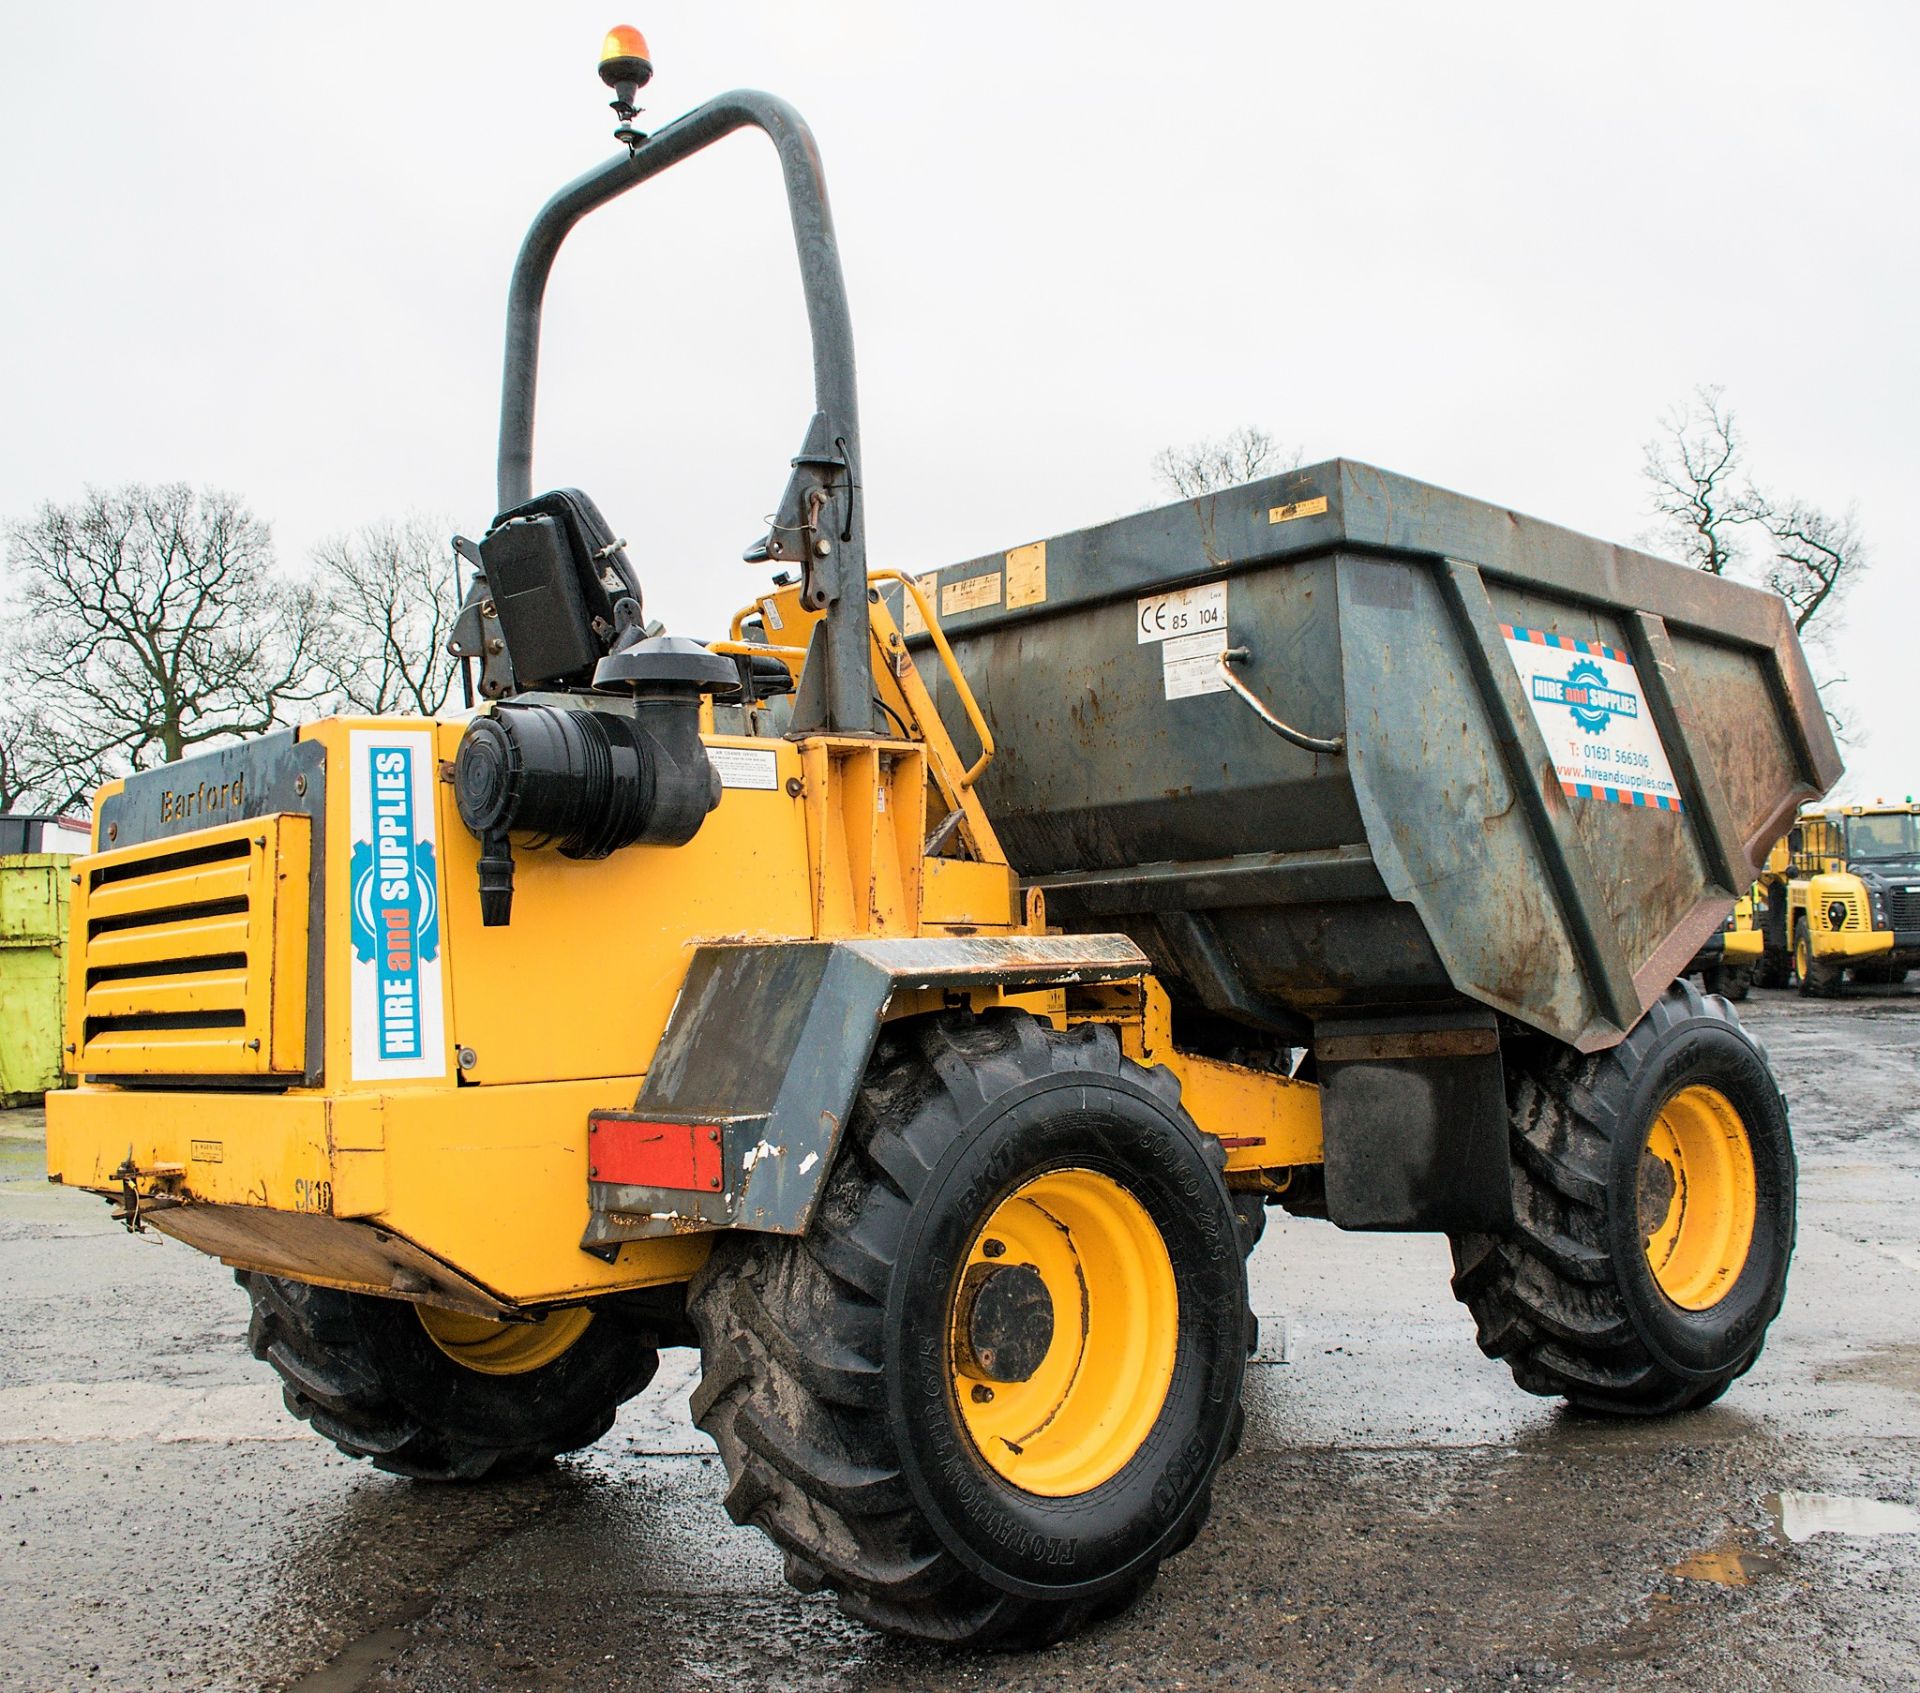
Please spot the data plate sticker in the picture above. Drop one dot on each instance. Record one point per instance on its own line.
(1315, 507)
(398, 1019)
(970, 595)
(746, 767)
(1027, 575)
(1587, 700)
(1164, 617)
(1190, 664)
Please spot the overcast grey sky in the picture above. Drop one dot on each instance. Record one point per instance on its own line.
(266, 247)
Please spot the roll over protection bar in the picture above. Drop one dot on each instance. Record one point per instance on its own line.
(819, 524)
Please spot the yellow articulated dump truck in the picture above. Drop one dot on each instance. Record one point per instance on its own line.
(1839, 898)
(913, 998)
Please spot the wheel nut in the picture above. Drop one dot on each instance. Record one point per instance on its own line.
(993, 1248)
(982, 1394)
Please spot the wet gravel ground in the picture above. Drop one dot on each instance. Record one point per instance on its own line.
(1401, 1517)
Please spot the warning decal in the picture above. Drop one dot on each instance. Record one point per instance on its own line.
(1586, 698)
(746, 767)
(1190, 664)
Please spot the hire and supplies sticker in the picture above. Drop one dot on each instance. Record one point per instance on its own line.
(1586, 698)
(398, 1018)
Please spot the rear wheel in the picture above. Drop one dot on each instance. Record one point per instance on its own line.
(987, 1394)
(438, 1395)
(1735, 981)
(1654, 1204)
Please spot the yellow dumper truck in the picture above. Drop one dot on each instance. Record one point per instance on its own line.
(912, 998)
(1839, 897)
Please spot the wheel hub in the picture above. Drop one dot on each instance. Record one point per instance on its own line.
(1008, 1322)
(1064, 1324)
(1657, 1191)
(1698, 1197)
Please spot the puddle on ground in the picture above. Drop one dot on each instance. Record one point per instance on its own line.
(1800, 1516)
(1743, 1556)
(1737, 1561)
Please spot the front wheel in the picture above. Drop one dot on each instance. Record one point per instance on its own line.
(1654, 1192)
(1817, 980)
(987, 1394)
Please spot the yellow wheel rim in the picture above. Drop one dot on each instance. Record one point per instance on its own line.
(503, 1349)
(1068, 1288)
(1697, 1197)
(1802, 953)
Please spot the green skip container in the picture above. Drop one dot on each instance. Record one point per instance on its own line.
(33, 973)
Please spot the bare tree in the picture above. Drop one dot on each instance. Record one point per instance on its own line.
(32, 773)
(389, 592)
(1699, 489)
(151, 623)
(1205, 467)
(1816, 558)
(1704, 497)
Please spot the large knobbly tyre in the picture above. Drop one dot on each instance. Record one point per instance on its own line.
(483, 1399)
(987, 1393)
(1817, 980)
(1654, 1198)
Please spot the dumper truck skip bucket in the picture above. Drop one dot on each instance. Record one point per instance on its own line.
(1339, 742)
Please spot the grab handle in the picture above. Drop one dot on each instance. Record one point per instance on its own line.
(1307, 743)
(968, 703)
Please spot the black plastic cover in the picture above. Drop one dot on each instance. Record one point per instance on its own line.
(536, 592)
(555, 574)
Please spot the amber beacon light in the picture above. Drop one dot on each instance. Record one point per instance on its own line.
(626, 66)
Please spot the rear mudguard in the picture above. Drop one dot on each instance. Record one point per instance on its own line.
(739, 1117)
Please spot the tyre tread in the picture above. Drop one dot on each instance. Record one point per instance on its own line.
(811, 1462)
(330, 1378)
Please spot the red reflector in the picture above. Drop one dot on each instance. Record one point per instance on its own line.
(632, 1152)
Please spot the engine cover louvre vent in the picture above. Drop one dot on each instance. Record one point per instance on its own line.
(193, 954)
